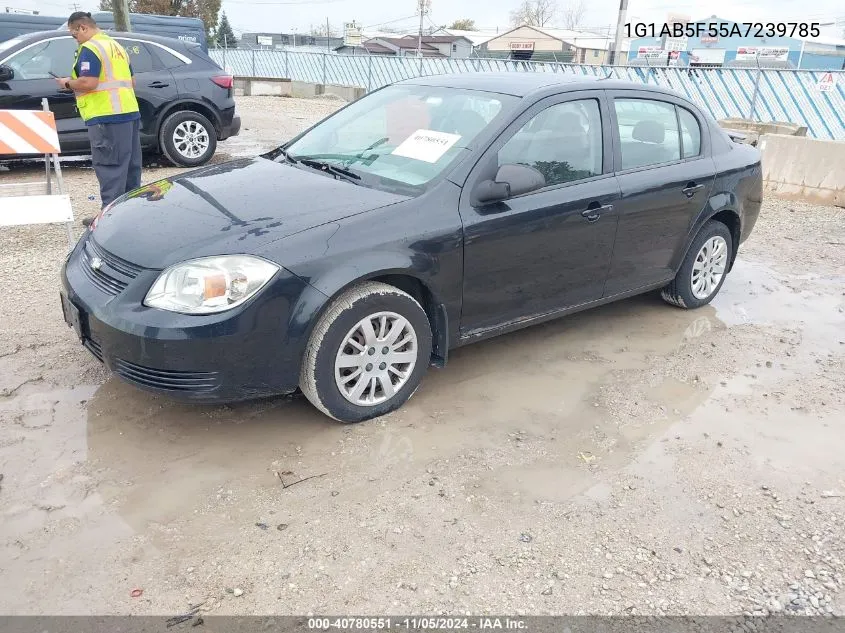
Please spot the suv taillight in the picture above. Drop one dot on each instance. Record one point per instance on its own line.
(224, 81)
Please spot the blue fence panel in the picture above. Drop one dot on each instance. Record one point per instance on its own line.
(781, 95)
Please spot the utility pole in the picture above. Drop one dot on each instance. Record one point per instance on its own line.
(423, 7)
(328, 36)
(120, 8)
(620, 26)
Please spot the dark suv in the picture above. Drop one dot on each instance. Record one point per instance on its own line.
(186, 100)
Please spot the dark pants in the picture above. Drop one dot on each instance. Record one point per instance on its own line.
(116, 157)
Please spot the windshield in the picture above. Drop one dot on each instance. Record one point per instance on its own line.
(405, 135)
(4, 46)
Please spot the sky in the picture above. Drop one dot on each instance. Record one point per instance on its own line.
(289, 15)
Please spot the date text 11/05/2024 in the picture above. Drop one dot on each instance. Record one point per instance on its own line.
(416, 624)
(723, 29)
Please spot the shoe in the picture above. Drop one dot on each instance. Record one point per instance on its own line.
(87, 221)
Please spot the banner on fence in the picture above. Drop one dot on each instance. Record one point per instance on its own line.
(826, 83)
(750, 53)
(651, 52)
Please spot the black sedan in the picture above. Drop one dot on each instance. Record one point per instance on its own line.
(429, 214)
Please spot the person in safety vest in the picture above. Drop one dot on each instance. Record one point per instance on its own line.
(103, 83)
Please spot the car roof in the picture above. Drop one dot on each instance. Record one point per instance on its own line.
(29, 38)
(522, 84)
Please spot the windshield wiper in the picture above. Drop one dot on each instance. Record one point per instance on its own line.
(360, 155)
(275, 153)
(335, 170)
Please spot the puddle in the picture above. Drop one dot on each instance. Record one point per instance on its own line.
(153, 460)
(754, 293)
(158, 459)
(519, 419)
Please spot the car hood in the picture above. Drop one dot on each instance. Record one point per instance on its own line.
(234, 207)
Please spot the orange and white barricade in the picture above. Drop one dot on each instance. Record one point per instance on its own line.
(28, 132)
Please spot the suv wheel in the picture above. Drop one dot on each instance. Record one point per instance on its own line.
(704, 269)
(188, 139)
(367, 353)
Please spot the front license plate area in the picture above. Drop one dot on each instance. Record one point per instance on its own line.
(72, 316)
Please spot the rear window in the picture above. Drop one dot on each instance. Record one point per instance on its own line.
(139, 56)
(167, 58)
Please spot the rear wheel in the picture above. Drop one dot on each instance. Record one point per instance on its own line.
(367, 353)
(704, 268)
(188, 139)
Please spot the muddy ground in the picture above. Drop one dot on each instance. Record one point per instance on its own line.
(636, 458)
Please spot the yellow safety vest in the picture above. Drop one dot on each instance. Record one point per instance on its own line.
(114, 94)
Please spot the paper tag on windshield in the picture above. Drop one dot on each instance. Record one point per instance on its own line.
(426, 145)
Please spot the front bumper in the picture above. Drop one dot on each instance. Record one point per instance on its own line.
(236, 355)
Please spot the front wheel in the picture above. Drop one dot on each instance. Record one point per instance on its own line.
(188, 139)
(367, 353)
(704, 268)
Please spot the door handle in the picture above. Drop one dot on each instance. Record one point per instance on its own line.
(594, 211)
(157, 84)
(691, 188)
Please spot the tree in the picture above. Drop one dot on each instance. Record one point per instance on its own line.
(323, 30)
(205, 10)
(225, 35)
(573, 13)
(464, 24)
(534, 12)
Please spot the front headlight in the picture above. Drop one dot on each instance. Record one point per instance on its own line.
(209, 284)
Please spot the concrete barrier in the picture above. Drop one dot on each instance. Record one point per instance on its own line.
(801, 168)
(262, 86)
(753, 130)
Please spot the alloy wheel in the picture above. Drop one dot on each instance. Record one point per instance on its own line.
(191, 139)
(709, 267)
(376, 359)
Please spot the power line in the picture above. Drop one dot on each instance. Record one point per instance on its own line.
(282, 2)
(370, 26)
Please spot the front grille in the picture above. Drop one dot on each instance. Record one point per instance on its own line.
(165, 379)
(113, 261)
(104, 282)
(113, 274)
(94, 348)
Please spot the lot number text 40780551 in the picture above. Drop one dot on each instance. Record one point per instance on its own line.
(415, 624)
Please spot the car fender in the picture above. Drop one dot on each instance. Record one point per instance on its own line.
(180, 103)
(719, 203)
(323, 289)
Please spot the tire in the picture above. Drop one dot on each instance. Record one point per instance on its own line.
(328, 348)
(190, 122)
(683, 291)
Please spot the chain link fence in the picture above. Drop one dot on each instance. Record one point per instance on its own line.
(796, 96)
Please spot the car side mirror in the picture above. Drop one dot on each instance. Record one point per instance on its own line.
(6, 73)
(511, 180)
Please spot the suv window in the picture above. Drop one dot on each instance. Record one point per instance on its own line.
(167, 58)
(648, 132)
(50, 56)
(563, 142)
(691, 131)
(139, 56)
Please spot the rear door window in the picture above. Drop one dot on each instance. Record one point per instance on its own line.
(139, 56)
(648, 132)
(167, 58)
